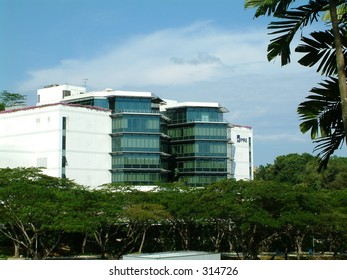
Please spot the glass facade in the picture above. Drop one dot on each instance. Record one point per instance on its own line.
(195, 114)
(139, 151)
(137, 141)
(135, 123)
(185, 143)
(198, 144)
(132, 104)
(92, 101)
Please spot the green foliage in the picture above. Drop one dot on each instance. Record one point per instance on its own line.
(268, 7)
(304, 169)
(321, 114)
(291, 22)
(37, 212)
(8, 99)
(287, 169)
(319, 49)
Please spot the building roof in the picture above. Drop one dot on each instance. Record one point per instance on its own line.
(174, 104)
(52, 105)
(240, 126)
(113, 93)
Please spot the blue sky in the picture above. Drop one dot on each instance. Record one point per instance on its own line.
(203, 50)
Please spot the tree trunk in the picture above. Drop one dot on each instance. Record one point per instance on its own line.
(185, 238)
(16, 246)
(142, 240)
(299, 239)
(216, 238)
(84, 242)
(102, 239)
(340, 62)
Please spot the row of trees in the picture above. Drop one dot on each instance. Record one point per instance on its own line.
(42, 216)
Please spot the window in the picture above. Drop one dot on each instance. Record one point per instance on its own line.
(146, 161)
(63, 144)
(66, 93)
(131, 104)
(64, 123)
(136, 142)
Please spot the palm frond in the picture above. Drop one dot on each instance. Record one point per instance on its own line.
(320, 49)
(321, 114)
(328, 145)
(268, 7)
(291, 22)
(341, 12)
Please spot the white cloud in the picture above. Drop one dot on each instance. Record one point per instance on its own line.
(287, 137)
(197, 53)
(200, 62)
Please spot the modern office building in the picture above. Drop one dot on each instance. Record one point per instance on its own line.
(124, 137)
(198, 141)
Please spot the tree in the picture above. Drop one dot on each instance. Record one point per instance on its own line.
(302, 169)
(301, 214)
(105, 217)
(259, 208)
(140, 217)
(218, 213)
(8, 99)
(288, 168)
(182, 205)
(335, 229)
(332, 59)
(30, 210)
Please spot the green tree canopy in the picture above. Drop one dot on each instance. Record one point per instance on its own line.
(8, 99)
(30, 210)
(302, 169)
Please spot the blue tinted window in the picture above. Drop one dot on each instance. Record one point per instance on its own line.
(130, 104)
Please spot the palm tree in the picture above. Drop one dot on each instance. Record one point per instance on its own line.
(321, 114)
(328, 50)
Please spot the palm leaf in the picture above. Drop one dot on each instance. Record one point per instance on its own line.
(268, 7)
(328, 145)
(341, 12)
(320, 49)
(321, 114)
(291, 22)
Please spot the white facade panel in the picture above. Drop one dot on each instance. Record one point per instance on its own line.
(241, 151)
(56, 93)
(33, 137)
(28, 136)
(88, 146)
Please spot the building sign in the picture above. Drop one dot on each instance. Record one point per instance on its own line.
(240, 139)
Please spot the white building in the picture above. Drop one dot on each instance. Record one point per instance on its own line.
(56, 93)
(66, 140)
(241, 152)
(122, 136)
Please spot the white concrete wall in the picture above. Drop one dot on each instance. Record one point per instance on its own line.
(54, 93)
(33, 137)
(88, 146)
(242, 139)
(30, 134)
